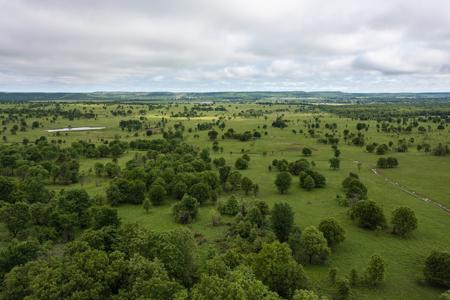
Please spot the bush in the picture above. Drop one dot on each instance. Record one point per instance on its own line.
(305, 295)
(282, 220)
(157, 194)
(375, 271)
(368, 215)
(332, 231)
(306, 151)
(437, 269)
(241, 164)
(403, 221)
(314, 246)
(186, 210)
(229, 207)
(283, 182)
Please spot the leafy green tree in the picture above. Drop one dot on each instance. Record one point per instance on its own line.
(104, 216)
(314, 246)
(76, 202)
(276, 268)
(18, 253)
(186, 210)
(332, 231)
(282, 218)
(343, 289)
(239, 284)
(177, 251)
(241, 164)
(308, 183)
(375, 270)
(246, 185)
(403, 221)
(295, 242)
(353, 277)
(437, 269)
(157, 194)
(146, 205)
(223, 173)
(212, 135)
(305, 295)
(306, 151)
(283, 182)
(334, 163)
(229, 207)
(368, 215)
(15, 216)
(332, 275)
(33, 190)
(8, 188)
(201, 191)
(149, 280)
(235, 180)
(179, 189)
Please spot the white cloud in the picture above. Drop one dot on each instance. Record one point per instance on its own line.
(224, 44)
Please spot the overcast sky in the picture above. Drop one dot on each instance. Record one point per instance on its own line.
(215, 45)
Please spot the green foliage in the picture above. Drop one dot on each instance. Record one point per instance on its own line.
(334, 163)
(146, 205)
(276, 268)
(374, 274)
(437, 269)
(241, 164)
(306, 151)
(202, 192)
(445, 295)
(229, 207)
(103, 216)
(368, 215)
(16, 217)
(403, 221)
(314, 248)
(305, 295)
(332, 231)
(18, 253)
(246, 185)
(343, 289)
(282, 218)
(308, 183)
(186, 210)
(122, 191)
(332, 275)
(157, 194)
(239, 284)
(283, 182)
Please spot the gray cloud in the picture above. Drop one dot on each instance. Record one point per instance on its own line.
(200, 45)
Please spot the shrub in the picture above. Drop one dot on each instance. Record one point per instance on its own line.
(437, 269)
(186, 210)
(283, 182)
(332, 231)
(375, 271)
(403, 220)
(368, 215)
(229, 207)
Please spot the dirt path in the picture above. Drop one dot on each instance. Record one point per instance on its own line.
(410, 191)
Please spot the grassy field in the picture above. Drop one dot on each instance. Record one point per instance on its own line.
(423, 173)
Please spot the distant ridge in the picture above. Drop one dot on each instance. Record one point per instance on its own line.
(317, 96)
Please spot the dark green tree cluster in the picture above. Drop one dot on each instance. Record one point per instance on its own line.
(387, 163)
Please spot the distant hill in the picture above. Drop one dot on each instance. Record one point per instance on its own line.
(320, 96)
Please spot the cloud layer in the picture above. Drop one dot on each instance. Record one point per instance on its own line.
(201, 45)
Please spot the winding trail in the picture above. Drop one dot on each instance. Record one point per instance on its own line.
(410, 191)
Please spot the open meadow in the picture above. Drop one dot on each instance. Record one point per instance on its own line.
(263, 134)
